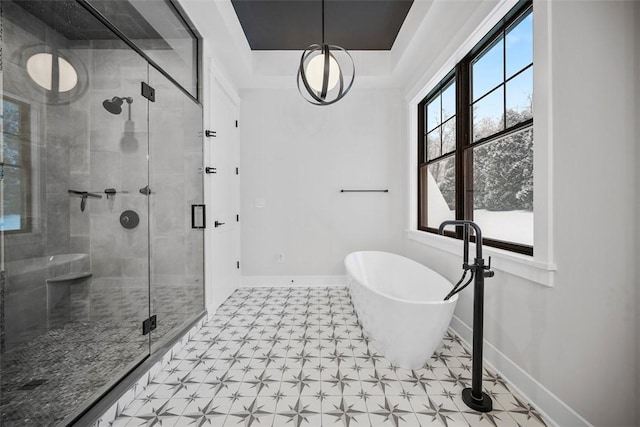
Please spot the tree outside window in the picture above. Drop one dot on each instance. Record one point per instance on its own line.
(16, 165)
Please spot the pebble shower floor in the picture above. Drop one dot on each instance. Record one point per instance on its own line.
(298, 357)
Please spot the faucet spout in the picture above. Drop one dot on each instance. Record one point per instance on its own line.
(466, 224)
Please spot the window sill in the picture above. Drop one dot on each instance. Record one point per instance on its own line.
(518, 265)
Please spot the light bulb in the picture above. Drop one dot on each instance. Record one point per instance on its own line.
(315, 70)
(40, 68)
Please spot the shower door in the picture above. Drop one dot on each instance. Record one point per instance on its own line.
(176, 209)
(75, 211)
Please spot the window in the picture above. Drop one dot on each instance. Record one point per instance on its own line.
(475, 153)
(16, 167)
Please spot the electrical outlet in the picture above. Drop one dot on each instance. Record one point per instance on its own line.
(280, 258)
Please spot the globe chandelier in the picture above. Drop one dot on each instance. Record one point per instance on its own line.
(323, 71)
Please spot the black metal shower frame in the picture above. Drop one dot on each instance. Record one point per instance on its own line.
(188, 24)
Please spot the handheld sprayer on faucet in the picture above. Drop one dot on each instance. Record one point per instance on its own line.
(473, 397)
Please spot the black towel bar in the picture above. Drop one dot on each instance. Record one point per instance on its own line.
(364, 191)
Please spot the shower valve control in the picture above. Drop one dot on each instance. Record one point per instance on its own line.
(210, 133)
(210, 170)
(218, 224)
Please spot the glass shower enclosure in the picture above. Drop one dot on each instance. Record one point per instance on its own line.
(101, 246)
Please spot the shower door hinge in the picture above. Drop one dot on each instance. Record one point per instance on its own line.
(236, 123)
(149, 324)
(237, 217)
(148, 92)
(210, 133)
(237, 171)
(237, 264)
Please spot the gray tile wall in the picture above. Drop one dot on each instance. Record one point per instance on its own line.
(79, 146)
(83, 147)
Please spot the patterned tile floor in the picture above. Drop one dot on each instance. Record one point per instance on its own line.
(298, 357)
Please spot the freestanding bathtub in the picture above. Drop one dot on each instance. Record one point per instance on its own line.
(400, 305)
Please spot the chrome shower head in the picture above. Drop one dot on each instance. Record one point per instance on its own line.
(114, 105)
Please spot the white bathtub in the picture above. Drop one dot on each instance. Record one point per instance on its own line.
(400, 305)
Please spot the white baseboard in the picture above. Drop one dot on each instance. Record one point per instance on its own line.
(292, 281)
(547, 403)
(211, 310)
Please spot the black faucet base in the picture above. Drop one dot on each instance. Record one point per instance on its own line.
(481, 405)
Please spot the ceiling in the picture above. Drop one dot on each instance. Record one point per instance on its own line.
(295, 24)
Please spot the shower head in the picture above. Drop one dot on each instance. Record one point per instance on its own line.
(114, 105)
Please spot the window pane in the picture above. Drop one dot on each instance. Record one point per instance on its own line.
(503, 188)
(449, 136)
(488, 114)
(433, 113)
(13, 198)
(449, 101)
(519, 95)
(519, 46)
(433, 144)
(441, 191)
(13, 152)
(11, 117)
(488, 70)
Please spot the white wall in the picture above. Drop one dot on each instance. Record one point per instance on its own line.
(580, 338)
(297, 157)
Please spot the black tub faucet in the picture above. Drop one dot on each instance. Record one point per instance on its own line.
(479, 261)
(474, 397)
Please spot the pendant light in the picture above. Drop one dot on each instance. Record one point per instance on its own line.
(322, 72)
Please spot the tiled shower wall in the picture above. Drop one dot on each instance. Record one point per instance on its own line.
(78, 146)
(81, 146)
(25, 309)
(50, 234)
(111, 153)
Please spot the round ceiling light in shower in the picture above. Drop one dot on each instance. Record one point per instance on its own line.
(44, 67)
(53, 75)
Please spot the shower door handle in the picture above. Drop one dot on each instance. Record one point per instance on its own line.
(198, 216)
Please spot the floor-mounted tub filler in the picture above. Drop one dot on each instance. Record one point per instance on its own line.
(473, 397)
(400, 305)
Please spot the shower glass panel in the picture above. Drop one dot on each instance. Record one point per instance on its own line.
(161, 32)
(74, 225)
(175, 180)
